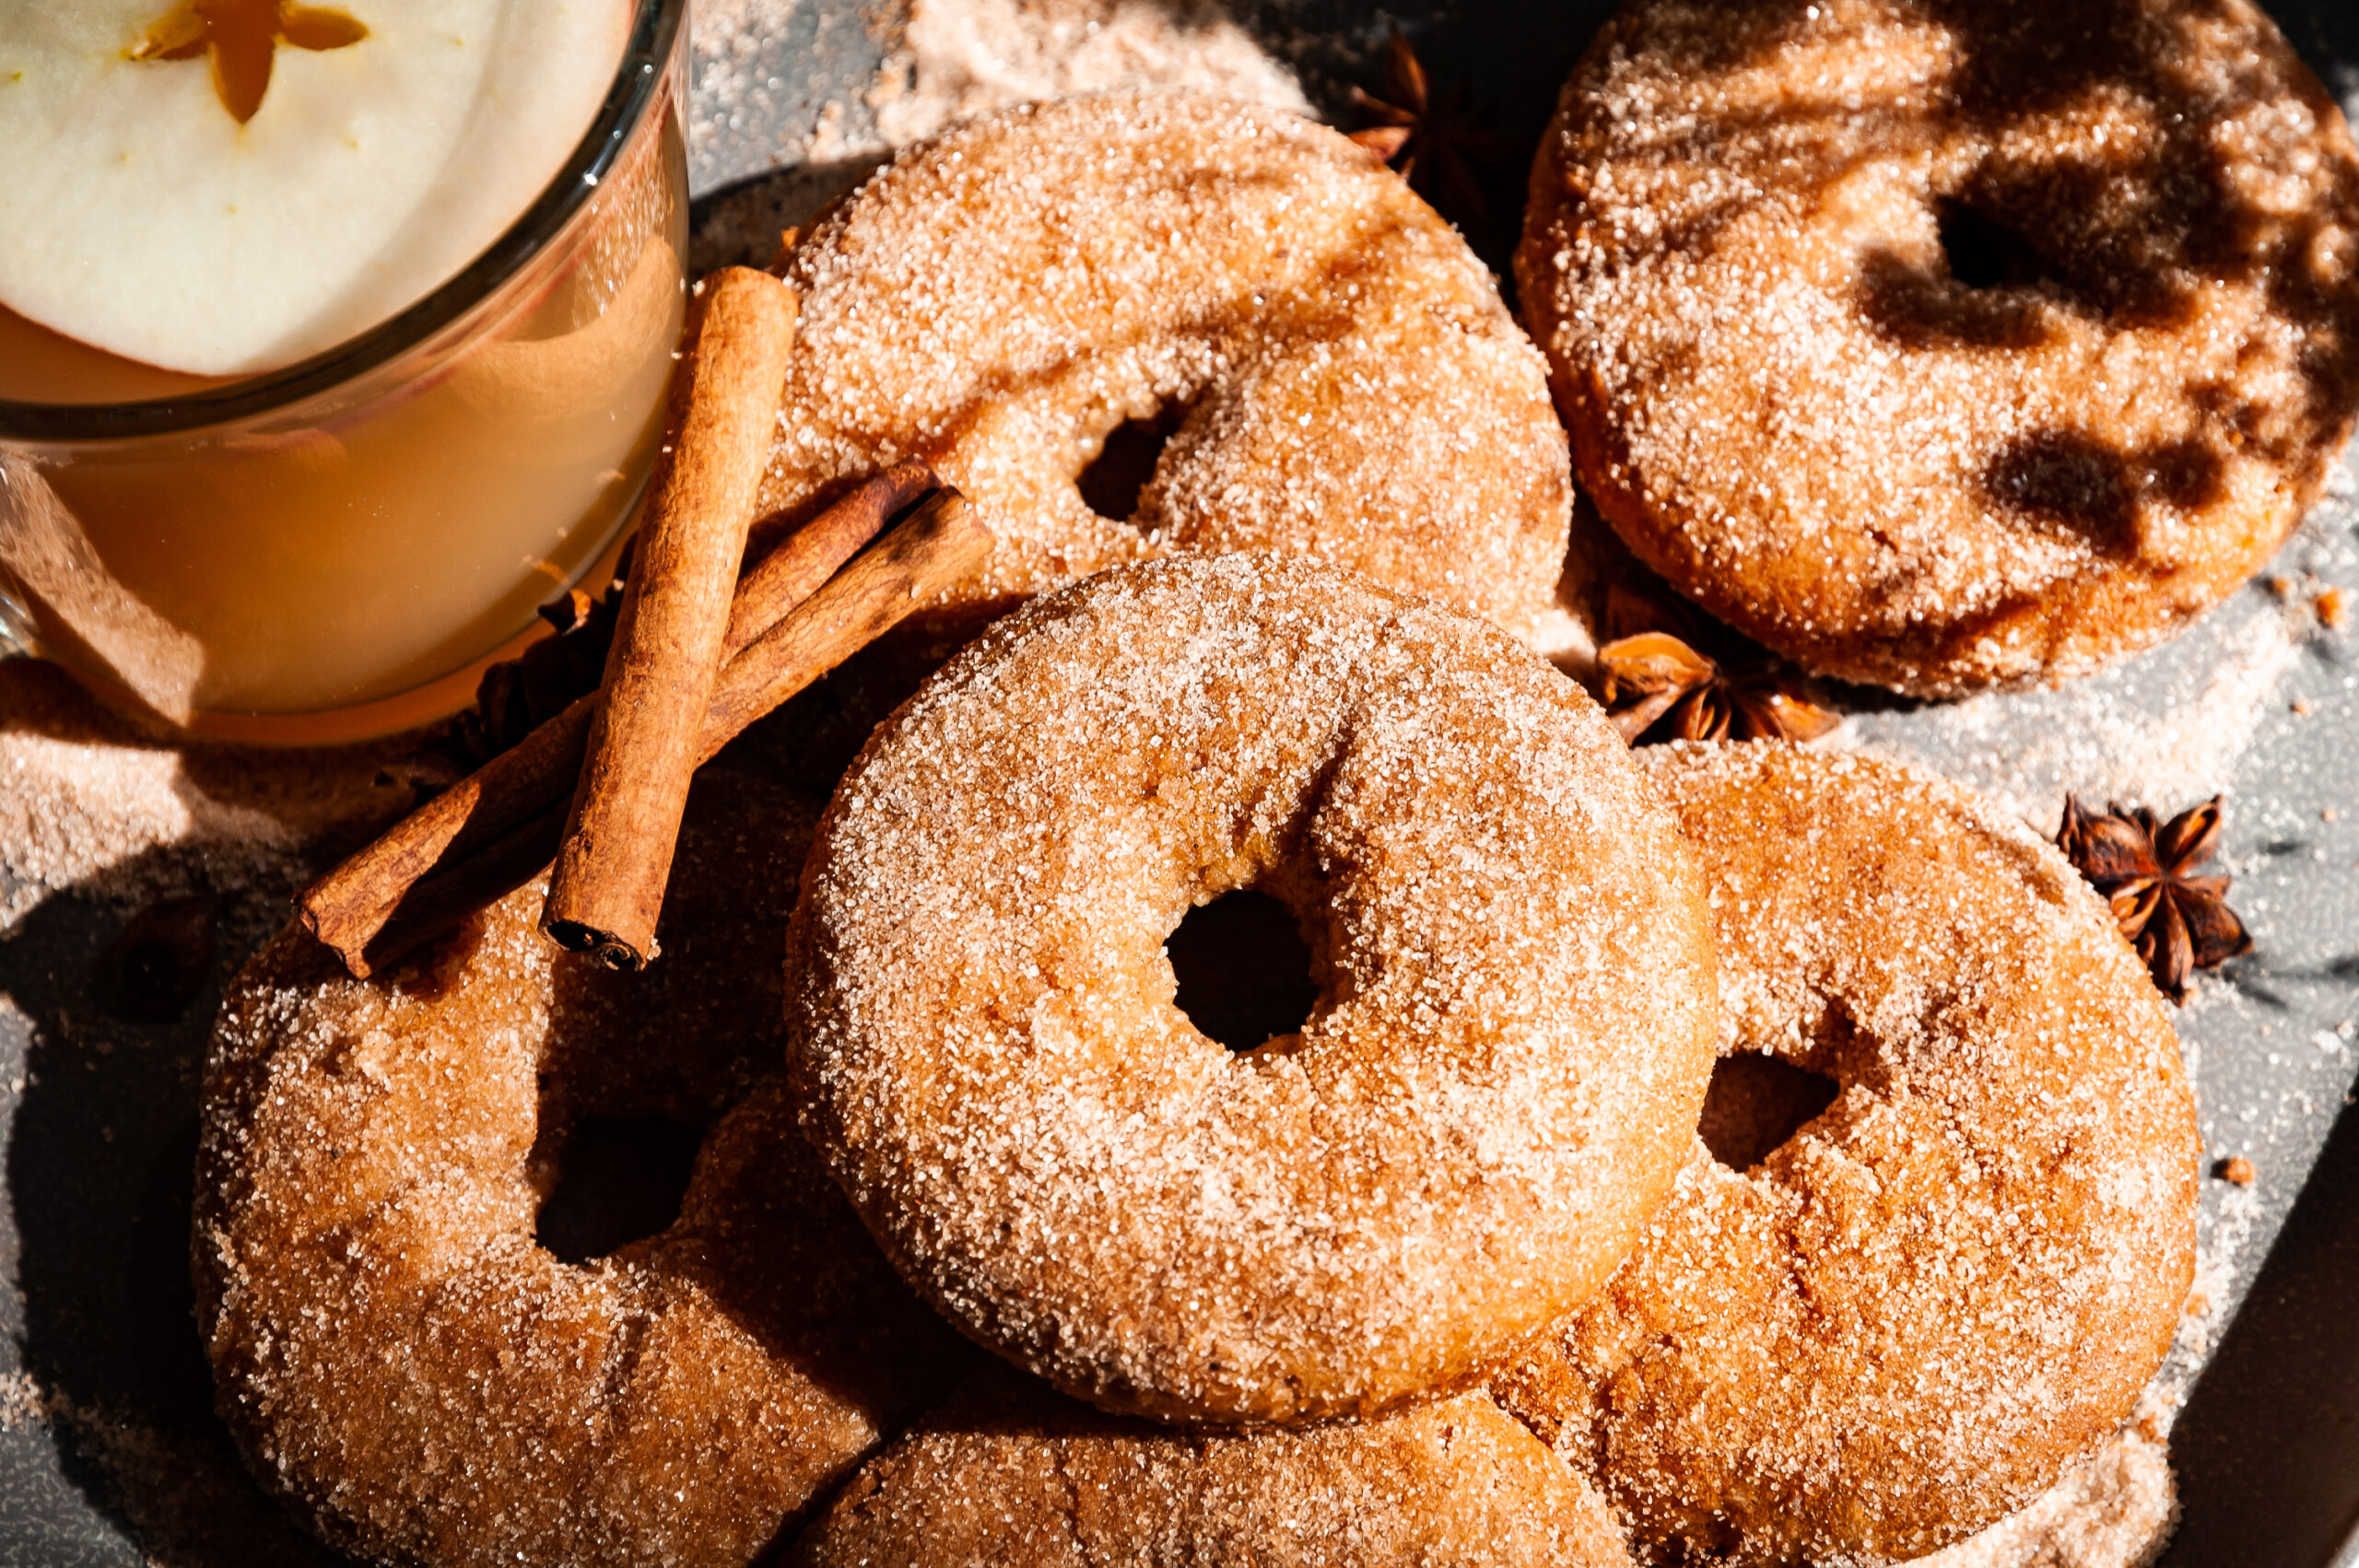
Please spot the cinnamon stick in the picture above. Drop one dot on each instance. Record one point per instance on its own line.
(417, 881)
(939, 543)
(936, 546)
(668, 644)
(793, 571)
(348, 907)
(376, 905)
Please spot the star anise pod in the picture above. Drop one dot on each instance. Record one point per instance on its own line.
(1432, 137)
(1656, 682)
(2145, 867)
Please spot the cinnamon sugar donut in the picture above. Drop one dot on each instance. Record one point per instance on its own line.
(1904, 1320)
(1939, 344)
(412, 1373)
(1010, 1475)
(1513, 1030)
(1334, 367)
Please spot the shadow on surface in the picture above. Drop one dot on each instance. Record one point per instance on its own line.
(98, 1172)
(117, 977)
(739, 225)
(2268, 1447)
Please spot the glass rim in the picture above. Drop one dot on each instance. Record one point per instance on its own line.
(637, 84)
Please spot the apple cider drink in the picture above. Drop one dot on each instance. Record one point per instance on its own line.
(323, 369)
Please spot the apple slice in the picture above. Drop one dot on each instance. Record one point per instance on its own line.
(385, 145)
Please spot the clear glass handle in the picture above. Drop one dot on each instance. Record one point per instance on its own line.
(16, 619)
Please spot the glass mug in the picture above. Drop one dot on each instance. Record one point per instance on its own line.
(335, 550)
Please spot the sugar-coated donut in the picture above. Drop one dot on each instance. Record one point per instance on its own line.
(1011, 1475)
(1940, 344)
(1513, 1031)
(422, 1382)
(1340, 378)
(1908, 1318)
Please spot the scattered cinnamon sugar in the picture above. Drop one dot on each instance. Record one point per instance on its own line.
(961, 57)
(22, 1401)
(2169, 727)
(2113, 1509)
(84, 794)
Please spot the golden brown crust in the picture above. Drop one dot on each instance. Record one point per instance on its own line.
(1513, 1038)
(404, 1365)
(1744, 254)
(1000, 300)
(1012, 1474)
(1908, 1318)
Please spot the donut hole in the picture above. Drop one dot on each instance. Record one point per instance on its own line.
(617, 1179)
(1242, 970)
(1755, 1103)
(1113, 481)
(1983, 285)
(1983, 253)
